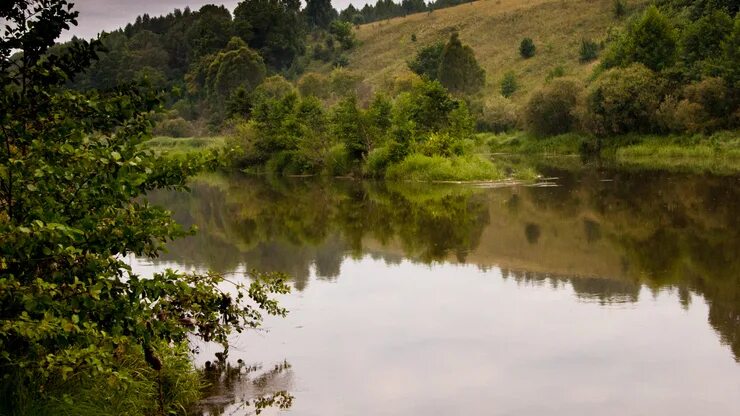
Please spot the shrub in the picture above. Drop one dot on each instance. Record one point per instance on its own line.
(337, 161)
(441, 144)
(459, 71)
(344, 82)
(499, 114)
(619, 8)
(556, 72)
(589, 50)
(527, 48)
(623, 100)
(509, 84)
(313, 84)
(426, 61)
(715, 101)
(551, 109)
(174, 127)
(343, 32)
(702, 39)
(378, 161)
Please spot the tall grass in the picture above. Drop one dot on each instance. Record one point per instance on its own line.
(417, 167)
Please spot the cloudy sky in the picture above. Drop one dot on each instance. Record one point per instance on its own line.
(97, 15)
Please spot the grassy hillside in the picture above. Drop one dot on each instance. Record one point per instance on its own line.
(494, 29)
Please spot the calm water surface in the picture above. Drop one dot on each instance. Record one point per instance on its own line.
(612, 293)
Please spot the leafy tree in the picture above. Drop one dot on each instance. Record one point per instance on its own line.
(72, 184)
(702, 39)
(209, 31)
(731, 56)
(623, 100)
(527, 48)
(459, 71)
(234, 67)
(350, 127)
(650, 40)
(427, 60)
(319, 13)
(273, 27)
(344, 34)
(314, 84)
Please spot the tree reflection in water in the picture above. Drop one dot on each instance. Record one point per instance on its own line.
(606, 239)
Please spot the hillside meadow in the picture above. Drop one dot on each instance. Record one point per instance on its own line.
(494, 29)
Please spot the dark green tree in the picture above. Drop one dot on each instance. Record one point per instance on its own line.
(275, 28)
(319, 13)
(527, 48)
(426, 62)
(459, 71)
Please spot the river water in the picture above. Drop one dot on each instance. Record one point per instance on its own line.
(604, 292)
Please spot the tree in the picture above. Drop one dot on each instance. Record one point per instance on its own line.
(459, 71)
(650, 40)
(623, 100)
(509, 84)
(72, 207)
(319, 13)
(527, 48)
(273, 27)
(426, 62)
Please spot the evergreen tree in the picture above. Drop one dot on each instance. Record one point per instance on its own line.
(319, 13)
(458, 69)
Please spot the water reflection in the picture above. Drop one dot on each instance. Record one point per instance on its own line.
(605, 238)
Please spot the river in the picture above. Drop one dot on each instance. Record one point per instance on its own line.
(600, 292)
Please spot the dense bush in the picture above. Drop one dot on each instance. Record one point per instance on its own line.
(498, 114)
(623, 100)
(426, 62)
(551, 110)
(589, 50)
(527, 48)
(174, 127)
(314, 84)
(619, 8)
(509, 85)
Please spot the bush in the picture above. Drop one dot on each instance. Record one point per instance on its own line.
(426, 62)
(378, 161)
(344, 82)
(556, 72)
(619, 8)
(499, 114)
(527, 48)
(337, 161)
(623, 100)
(551, 110)
(715, 101)
(589, 51)
(649, 40)
(509, 85)
(313, 84)
(174, 127)
(441, 144)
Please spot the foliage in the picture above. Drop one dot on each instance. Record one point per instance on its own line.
(551, 110)
(174, 127)
(701, 40)
(509, 84)
(619, 8)
(527, 48)
(458, 69)
(427, 60)
(272, 27)
(72, 180)
(589, 50)
(623, 100)
(319, 13)
(499, 114)
(314, 84)
(650, 40)
(344, 34)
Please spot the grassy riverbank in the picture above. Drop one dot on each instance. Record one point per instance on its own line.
(717, 153)
(176, 146)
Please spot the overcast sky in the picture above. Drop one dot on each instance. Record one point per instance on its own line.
(99, 15)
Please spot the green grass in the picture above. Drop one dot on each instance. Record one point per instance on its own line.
(525, 143)
(716, 153)
(417, 167)
(176, 146)
(719, 153)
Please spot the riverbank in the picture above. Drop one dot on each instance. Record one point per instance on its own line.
(717, 153)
